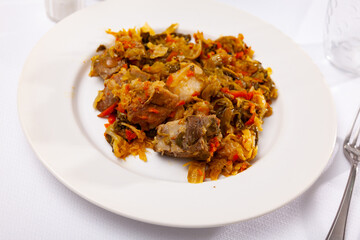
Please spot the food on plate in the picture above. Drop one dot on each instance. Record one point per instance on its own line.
(200, 99)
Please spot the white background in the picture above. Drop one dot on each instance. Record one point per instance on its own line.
(34, 205)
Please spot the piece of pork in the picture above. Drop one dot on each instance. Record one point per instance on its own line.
(187, 82)
(150, 111)
(135, 72)
(105, 65)
(188, 137)
(107, 100)
(108, 97)
(127, 75)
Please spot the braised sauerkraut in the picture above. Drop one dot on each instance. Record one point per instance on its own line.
(200, 99)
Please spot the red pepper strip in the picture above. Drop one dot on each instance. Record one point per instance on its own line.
(169, 38)
(190, 73)
(235, 157)
(243, 94)
(171, 55)
(249, 95)
(169, 80)
(225, 90)
(120, 108)
(130, 135)
(108, 111)
(218, 45)
(182, 102)
(112, 118)
(195, 94)
(172, 114)
(251, 120)
(239, 55)
(153, 110)
(106, 125)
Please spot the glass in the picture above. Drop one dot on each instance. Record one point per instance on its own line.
(59, 9)
(342, 34)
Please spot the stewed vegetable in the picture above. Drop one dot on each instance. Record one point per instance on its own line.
(200, 99)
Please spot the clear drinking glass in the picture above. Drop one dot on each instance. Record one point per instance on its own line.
(59, 9)
(342, 34)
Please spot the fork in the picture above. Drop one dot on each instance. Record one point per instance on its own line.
(352, 152)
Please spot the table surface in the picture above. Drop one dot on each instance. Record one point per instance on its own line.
(34, 205)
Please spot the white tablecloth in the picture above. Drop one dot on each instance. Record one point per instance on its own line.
(34, 205)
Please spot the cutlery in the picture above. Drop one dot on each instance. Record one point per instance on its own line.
(351, 148)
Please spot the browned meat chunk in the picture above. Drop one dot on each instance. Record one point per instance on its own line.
(189, 137)
(105, 65)
(126, 76)
(118, 77)
(107, 100)
(135, 72)
(151, 111)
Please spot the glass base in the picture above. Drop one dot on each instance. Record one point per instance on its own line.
(58, 9)
(345, 55)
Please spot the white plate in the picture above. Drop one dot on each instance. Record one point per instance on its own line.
(55, 105)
